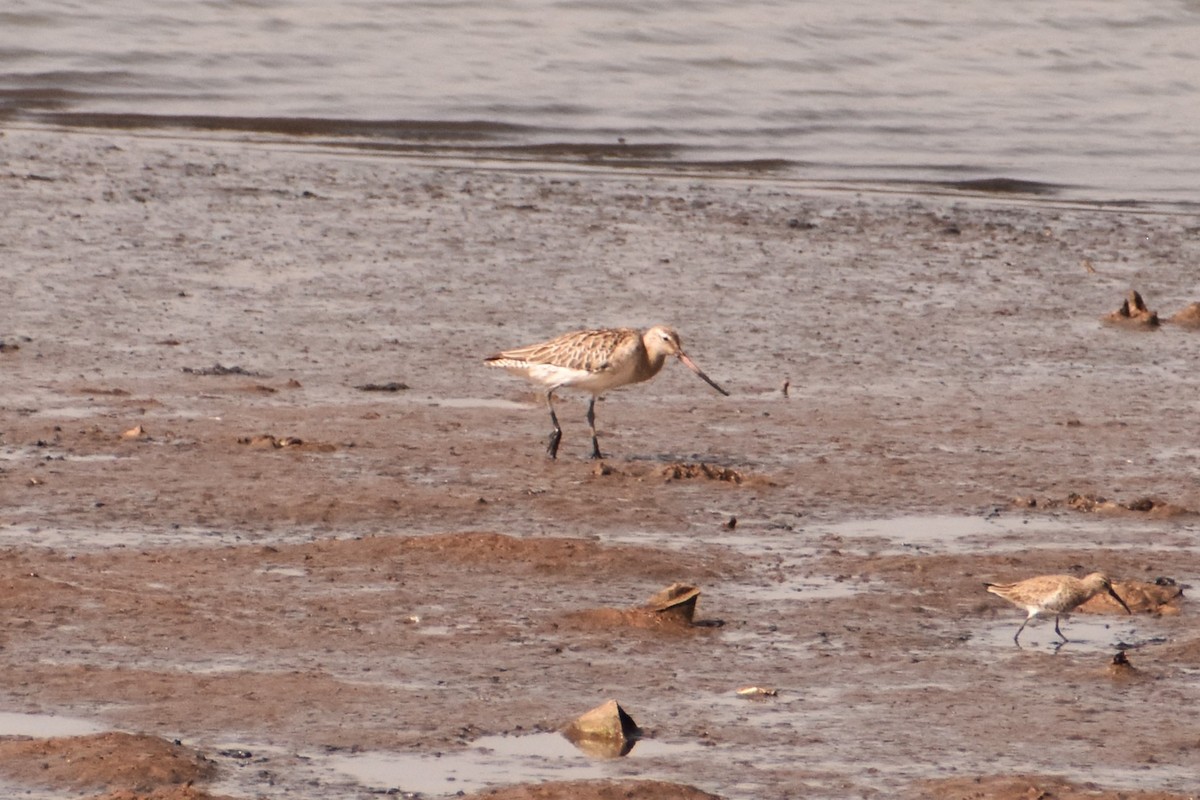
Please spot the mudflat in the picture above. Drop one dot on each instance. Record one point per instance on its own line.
(270, 528)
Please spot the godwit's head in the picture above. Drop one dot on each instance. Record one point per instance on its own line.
(1098, 583)
(661, 341)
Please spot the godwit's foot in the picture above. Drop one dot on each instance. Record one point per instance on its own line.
(552, 447)
(596, 455)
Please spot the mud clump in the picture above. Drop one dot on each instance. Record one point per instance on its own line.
(163, 793)
(267, 441)
(1133, 313)
(1188, 317)
(221, 369)
(1120, 667)
(678, 600)
(1161, 597)
(672, 608)
(680, 471)
(132, 763)
(1097, 504)
(1025, 787)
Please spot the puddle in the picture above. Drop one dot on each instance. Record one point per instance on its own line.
(51, 454)
(475, 402)
(811, 587)
(497, 760)
(1088, 633)
(287, 572)
(83, 539)
(999, 532)
(75, 412)
(44, 726)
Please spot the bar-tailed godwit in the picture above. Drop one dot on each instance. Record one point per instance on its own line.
(595, 361)
(1053, 594)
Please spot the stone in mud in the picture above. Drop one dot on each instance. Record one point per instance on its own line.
(605, 731)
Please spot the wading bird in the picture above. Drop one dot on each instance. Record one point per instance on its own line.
(1054, 594)
(595, 361)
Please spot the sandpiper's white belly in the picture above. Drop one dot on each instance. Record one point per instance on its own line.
(552, 376)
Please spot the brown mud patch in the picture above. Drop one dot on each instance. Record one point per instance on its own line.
(1188, 317)
(604, 619)
(596, 790)
(1028, 787)
(1152, 507)
(134, 763)
(1161, 597)
(266, 441)
(559, 556)
(953, 583)
(681, 472)
(671, 610)
(163, 793)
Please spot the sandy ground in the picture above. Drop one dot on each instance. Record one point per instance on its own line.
(252, 578)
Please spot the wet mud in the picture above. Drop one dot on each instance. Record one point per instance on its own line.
(338, 563)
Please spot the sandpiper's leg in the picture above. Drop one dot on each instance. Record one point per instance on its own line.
(1056, 630)
(591, 418)
(1017, 635)
(556, 434)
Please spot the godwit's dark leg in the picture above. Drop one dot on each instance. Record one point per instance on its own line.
(1017, 635)
(591, 418)
(1056, 630)
(556, 434)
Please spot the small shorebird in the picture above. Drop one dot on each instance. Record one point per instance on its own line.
(1056, 594)
(595, 361)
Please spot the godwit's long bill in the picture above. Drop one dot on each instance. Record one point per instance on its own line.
(1056, 594)
(595, 361)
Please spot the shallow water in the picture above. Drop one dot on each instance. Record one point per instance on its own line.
(45, 725)
(1095, 97)
(497, 760)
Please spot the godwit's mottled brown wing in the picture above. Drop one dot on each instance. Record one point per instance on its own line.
(1056, 593)
(590, 351)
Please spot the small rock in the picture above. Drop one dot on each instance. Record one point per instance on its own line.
(604, 723)
(137, 432)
